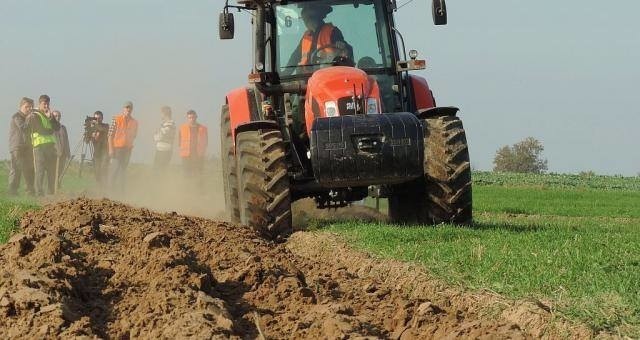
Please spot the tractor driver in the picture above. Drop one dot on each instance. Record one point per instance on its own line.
(321, 43)
(321, 40)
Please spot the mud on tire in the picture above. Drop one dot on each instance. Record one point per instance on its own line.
(444, 194)
(263, 183)
(229, 173)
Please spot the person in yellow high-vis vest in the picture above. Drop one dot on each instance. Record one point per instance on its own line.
(43, 127)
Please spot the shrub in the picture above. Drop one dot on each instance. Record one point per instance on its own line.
(587, 174)
(524, 156)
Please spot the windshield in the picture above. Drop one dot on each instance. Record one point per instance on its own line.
(317, 34)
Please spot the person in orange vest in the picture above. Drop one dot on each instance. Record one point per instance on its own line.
(122, 133)
(320, 41)
(193, 138)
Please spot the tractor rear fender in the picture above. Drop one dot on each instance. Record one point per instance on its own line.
(243, 107)
(422, 94)
(437, 112)
(425, 103)
(256, 125)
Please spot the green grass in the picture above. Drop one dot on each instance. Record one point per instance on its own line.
(12, 209)
(10, 213)
(575, 245)
(553, 201)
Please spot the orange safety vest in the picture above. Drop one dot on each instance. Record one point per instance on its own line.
(324, 39)
(125, 132)
(185, 140)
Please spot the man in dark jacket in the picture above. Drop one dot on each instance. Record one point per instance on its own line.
(43, 127)
(20, 149)
(99, 139)
(62, 146)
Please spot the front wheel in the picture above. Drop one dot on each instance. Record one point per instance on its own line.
(443, 195)
(263, 183)
(227, 156)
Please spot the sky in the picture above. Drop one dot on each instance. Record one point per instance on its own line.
(564, 72)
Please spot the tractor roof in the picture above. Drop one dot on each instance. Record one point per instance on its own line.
(252, 3)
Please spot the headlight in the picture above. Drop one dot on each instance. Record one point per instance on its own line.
(330, 109)
(372, 106)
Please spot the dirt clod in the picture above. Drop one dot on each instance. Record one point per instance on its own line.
(428, 308)
(21, 245)
(156, 240)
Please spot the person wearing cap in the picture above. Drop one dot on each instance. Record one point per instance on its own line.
(319, 38)
(62, 145)
(193, 138)
(21, 150)
(43, 127)
(122, 133)
(99, 140)
(164, 138)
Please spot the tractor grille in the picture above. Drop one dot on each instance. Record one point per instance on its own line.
(347, 107)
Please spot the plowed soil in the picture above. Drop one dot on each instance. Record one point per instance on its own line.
(102, 269)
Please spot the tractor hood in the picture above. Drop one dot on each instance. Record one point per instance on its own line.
(339, 91)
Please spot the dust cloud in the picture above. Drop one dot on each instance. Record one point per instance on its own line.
(173, 191)
(305, 214)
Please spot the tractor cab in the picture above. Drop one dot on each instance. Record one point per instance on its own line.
(332, 113)
(345, 53)
(294, 39)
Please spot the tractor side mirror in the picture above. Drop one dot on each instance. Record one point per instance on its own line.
(439, 12)
(226, 25)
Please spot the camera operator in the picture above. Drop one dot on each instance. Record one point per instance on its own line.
(98, 132)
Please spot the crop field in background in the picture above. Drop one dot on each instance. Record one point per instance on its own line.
(570, 242)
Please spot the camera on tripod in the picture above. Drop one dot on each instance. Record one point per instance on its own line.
(90, 126)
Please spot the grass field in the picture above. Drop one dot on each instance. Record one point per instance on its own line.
(570, 241)
(11, 209)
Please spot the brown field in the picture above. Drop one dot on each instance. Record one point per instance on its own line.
(99, 268)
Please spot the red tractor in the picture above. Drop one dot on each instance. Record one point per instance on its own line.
(332, 113)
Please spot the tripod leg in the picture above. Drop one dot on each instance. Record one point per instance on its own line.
(82, 157)
(75, 152)
(66, 167)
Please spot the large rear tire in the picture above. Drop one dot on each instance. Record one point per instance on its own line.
(229, 174)
(443, 195)
(263, 183)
